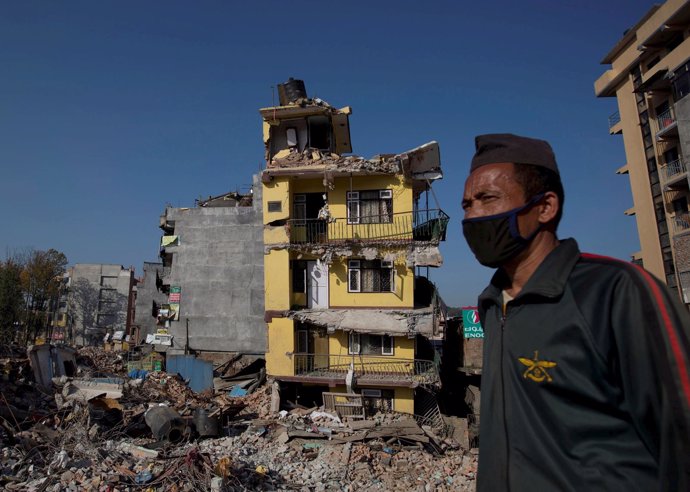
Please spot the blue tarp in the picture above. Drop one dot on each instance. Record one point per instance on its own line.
(237, 391)
(198, 372)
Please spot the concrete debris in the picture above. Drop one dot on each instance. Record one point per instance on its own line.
(106, 444)
(49, 361)
(424, 255)
(379, 321)
(419, 253)
(313, 160)
(86, 389)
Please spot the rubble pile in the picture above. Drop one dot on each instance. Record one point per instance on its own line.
(333, 162)
(100, 361)
(155, 433)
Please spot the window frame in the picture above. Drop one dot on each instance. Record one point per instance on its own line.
(299, 202)
(354, 344)
(354, 269)
(354, 202)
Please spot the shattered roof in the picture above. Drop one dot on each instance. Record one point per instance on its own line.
(319, 162)
(422, 163)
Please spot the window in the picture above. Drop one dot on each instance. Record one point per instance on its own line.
(681, 83)
(370, 207)
(370, 276)
(370, 344)
(300, 209)
(291, 135)
(319, 132)
(108, 281)
(685, 285)
(108, 319)
(275, 207)
(376, 400)
(299, 276)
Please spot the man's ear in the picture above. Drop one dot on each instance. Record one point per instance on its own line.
(548, 207)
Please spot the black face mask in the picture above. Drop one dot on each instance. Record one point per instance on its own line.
(494, 239)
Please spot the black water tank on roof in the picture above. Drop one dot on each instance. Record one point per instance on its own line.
(291, 91)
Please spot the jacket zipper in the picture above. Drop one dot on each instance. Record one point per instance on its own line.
(503, 404)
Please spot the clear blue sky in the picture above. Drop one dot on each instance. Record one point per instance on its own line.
(109, 110)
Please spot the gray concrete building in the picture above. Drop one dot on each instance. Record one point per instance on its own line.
(148, 300)
(99, 301)
(213, 274)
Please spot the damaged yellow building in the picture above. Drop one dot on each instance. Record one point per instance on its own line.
(347, 241)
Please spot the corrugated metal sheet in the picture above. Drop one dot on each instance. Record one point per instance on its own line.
(198, 372)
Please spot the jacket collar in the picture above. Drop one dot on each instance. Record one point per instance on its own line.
(548, 280)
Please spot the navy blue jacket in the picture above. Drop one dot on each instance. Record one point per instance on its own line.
(585, 382)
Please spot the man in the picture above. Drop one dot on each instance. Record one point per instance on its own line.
(585, 383)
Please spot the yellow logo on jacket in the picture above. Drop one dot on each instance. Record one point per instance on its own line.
(537, 369)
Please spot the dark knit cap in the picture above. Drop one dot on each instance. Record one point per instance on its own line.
(506, 147)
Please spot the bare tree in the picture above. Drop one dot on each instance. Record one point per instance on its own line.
(83, 308)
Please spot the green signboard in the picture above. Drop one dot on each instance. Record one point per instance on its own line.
(471, 326)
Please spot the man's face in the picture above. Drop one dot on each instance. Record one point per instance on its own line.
(493, 189)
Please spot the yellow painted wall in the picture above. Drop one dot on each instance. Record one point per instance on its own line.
(277, 280)
(281, 340)
(404, 400)
(403, 347)
(400, 227)
(402, 297)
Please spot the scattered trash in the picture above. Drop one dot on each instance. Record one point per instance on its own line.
(143, 477)
(165, 423)
(237, 391)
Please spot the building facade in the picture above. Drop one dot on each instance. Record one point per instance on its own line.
(212, 275)
(149, 298)
(100, 301)
(346, 243)
(650, 78)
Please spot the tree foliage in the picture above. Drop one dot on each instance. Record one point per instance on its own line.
(11, 297)
(30, 286)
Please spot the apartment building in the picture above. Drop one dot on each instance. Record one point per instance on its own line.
(649, 75)
(212, 276)
(100, 301)
(348, 242)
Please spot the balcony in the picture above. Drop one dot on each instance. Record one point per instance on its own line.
(368, 369)
(423, 225)
(666, 125)
(681, 223)
(673, 172)
(615, 123)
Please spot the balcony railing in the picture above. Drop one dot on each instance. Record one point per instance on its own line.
(614, 119)
(664, 121)
(367, 367)
(681, 223)
(422, 225)
(672, 170)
